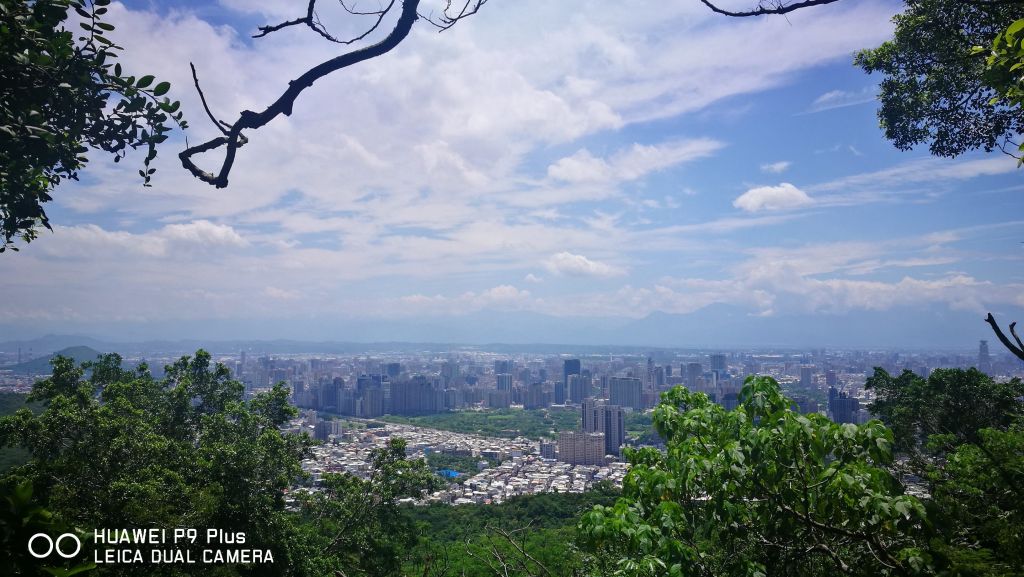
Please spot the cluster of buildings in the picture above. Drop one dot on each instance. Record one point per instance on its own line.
(522, 470)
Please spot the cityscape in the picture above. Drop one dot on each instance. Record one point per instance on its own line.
(349, 403)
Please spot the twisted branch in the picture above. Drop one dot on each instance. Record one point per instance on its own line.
(231, 134)
(768, 7)
(1018, 349)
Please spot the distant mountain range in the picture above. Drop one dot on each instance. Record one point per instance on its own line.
(720, 327)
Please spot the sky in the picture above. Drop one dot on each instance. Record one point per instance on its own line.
(633, 172)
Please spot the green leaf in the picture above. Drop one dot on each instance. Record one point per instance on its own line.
(145, 81)
(161, 89)
(1014, 28)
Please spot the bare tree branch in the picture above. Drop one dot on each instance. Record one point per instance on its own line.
(283, 105)
(768, 7)
(221, 125)
(1013, 331)
(447, 19)
(1017, 351)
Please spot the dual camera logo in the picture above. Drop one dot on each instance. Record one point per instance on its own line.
(42, 545)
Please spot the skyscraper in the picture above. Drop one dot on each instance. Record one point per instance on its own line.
(569, 367)
(984, 360)
(806, 375)
(842, 408)
(625, 392)
(694, 371)
(607, 419)
(576, 388)
(718, 363)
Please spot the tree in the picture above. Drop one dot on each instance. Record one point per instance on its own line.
(936, 88)
(964, 435)
(61, 96)
(757, 490)
(953, 403)
(1004, 69)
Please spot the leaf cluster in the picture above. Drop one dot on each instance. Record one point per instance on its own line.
(962, 435)
(62, 94)
(757, 490)
(935, 87)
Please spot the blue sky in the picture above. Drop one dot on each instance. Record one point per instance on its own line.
(557, 166)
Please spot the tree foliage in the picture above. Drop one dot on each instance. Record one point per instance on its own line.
(963, 434)
(955, 404)
(61, 95)
(935, 88)
(757, 490)
(1005, 69)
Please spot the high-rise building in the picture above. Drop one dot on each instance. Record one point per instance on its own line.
(569, 367)
(625, 392)
(535, 397)
(608, 419)
(659, 378)
(503, 382)
(578, 388)
(842, 408)
(806, 376)
(984, 360)
(718, 363)
(449, 373)
(415, 396)
(559, 396)
(499, 399)
(694, 372)
(831, 378)
(502, 366)
(393, 370)
(579, 448)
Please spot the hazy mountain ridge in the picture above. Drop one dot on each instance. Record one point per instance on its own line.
(715, 326)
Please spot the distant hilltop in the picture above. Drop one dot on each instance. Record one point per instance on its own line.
(41, 365)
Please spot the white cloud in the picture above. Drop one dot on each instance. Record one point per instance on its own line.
(631, 163)
(580, 167)
(502, 297)
(530, 277)
(204, 233)
(843, 98)
(781, 197)
(282, 294)
(776, 167)
(569, 264)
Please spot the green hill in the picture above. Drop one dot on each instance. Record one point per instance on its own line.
(41, 366)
